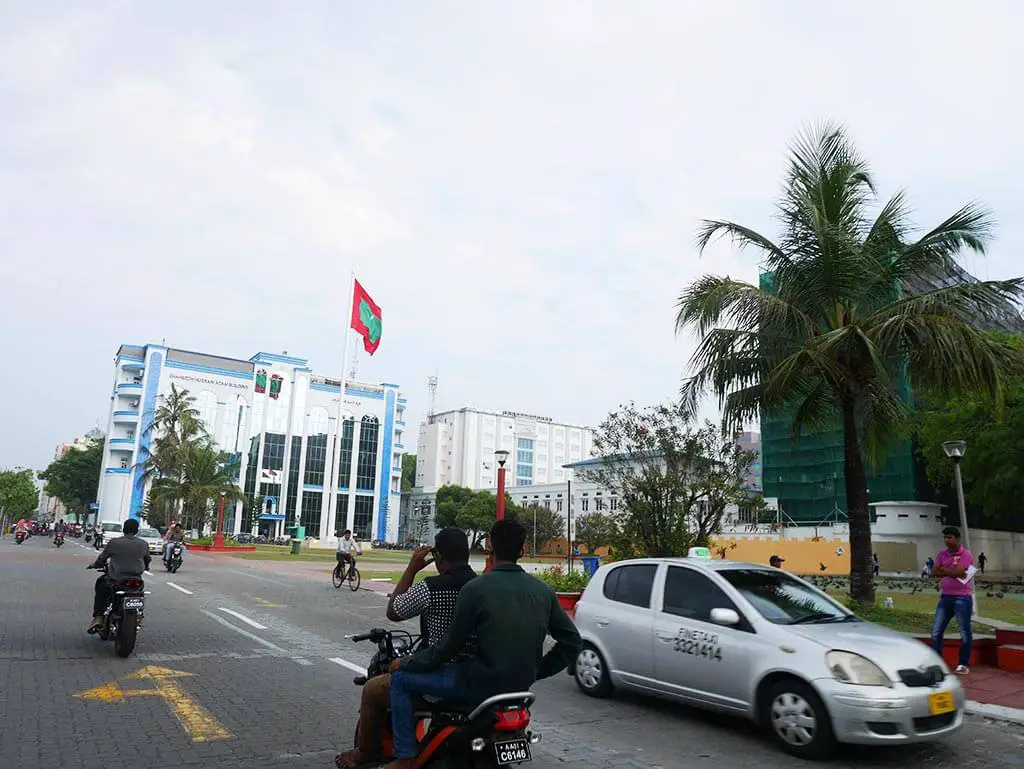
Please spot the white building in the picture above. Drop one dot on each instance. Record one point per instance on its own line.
(280, 420)
(51, 507)
(457, 448)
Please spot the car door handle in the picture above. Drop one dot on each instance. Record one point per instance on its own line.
(666, 637)
(601, 622)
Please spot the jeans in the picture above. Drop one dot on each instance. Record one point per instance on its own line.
(405, 688)
(167, 551)
(104, 592)
(950, 606)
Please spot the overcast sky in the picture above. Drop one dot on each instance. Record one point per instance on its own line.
(516, 184)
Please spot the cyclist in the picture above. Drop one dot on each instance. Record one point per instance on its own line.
(346, 547)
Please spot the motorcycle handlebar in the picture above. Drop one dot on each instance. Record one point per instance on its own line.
(362, 637)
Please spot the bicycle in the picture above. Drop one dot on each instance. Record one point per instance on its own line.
(351, 576)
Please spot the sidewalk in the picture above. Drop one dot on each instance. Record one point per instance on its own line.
(995, 693)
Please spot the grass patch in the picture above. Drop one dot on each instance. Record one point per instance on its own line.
(910, 614)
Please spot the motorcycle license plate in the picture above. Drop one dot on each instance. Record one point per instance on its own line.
(134, 603)
(512, 752)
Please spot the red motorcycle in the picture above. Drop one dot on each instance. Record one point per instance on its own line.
(20, 535)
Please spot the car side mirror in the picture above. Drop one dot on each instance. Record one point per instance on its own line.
(727, 617)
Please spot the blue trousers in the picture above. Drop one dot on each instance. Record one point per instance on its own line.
(951, 606)
(405, 689)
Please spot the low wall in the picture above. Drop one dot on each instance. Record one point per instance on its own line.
(1003, 549)
(806, 556)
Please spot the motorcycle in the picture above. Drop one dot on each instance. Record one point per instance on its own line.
(173, 563)
(88, 536)
(19, 537)
(97, 541)
(123, 614)
(58, 539)
(453, 734)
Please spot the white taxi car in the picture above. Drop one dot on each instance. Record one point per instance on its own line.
(757, 641)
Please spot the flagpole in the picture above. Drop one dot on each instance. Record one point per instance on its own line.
(333, 482)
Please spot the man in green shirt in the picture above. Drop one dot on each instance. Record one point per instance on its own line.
(511, 613)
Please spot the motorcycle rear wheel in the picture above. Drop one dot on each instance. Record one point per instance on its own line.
(127, 630)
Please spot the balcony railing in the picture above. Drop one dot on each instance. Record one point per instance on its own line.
(129, 387)
(122, 444)
(131, 415)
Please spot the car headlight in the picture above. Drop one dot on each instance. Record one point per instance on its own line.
(852, 668)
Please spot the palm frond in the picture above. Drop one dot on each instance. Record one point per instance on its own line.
(934, 253)
(742, 237)
(713, 301)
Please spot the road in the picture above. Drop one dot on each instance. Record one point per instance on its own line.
(245, 664)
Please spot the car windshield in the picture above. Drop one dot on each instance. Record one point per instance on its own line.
(149, 534)
(111, 527)
(784, 600)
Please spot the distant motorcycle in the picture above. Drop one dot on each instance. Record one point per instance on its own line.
(88, 536)
(173, 563)
(19, 537)
(123, 614)
(58, 539)
(98, 541)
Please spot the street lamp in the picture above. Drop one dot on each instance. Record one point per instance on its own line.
(502, 457)
(955, 450)
(218, 538)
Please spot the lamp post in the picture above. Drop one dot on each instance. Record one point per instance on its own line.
(955, 450)
(502, 457)
(218, 538)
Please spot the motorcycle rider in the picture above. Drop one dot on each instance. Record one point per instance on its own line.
(433, 601)
(59, 529)
(510, 612)
(128, 556)
(175, 533)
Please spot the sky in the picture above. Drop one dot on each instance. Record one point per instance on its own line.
(518, 185)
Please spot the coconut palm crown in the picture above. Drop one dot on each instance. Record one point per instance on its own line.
(851, 301)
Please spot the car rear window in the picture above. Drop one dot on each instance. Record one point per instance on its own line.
(150, 533)
(631, 584)
(111, 527)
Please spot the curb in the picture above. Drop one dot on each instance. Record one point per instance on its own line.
(997, 712)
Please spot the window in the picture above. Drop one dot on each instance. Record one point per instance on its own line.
(293, 477)
(631, 584)
(312, 501)
(363, 519)
(316, 455)
(273, 452)
(783, 599)
(585, 504)
(558, 505)
(692, 595)
(598, 503)
(348, 428)
(613, 503)
(366, 468)
(524, 462)
(340, 514)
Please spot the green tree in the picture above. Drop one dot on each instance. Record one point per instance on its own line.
(594, 530)
(19, 496)
(991, 468)
(542, 525)
(472, 511)
(74, 479)
(205, 474)
(408, 472)
(846, 310)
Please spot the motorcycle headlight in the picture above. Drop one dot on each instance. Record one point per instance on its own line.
(854, 669)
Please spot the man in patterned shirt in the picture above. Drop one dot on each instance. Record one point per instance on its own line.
(433, 601)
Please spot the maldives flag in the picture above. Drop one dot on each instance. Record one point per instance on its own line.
(366, 318)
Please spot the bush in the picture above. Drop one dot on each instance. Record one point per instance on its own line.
(561, 581)
(208, 541)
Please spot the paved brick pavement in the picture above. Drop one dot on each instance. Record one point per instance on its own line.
(267, 677)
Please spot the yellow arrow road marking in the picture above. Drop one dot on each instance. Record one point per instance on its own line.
(198, 722)
(264, 602)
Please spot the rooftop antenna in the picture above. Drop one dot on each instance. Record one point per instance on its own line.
(432, 390)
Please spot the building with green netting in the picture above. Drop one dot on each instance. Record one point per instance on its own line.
(806, 475)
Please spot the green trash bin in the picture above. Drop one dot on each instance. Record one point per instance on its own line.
(296, 546)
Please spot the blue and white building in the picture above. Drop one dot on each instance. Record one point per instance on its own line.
(280, 420)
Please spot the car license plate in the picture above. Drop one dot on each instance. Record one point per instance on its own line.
(941, 702)
(512, 752)
(134, 603)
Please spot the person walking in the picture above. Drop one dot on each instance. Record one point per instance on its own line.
(982, 560)
(955, 567)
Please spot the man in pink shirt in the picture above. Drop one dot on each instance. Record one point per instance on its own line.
(956, 600)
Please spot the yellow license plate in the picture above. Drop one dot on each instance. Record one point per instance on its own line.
(941, 702)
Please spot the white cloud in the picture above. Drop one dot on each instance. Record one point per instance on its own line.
(518, 187)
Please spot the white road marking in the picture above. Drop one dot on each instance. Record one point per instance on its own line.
(148, 573)
(301, 661)
(246, 620)
(246, 633)
(179, 588)
(380, 579)
(350, 665)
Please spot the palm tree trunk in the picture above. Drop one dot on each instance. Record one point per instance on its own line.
(862, 583)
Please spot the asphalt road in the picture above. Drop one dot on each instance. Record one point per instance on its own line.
(252, 657)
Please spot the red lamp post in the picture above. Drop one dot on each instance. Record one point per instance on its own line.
(501, 456)
(218, 538)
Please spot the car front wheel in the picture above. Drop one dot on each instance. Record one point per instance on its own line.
(591, 673)
(798, 720)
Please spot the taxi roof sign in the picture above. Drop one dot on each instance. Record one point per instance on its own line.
(698, 552)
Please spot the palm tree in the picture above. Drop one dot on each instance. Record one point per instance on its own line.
(204, 474)
(853, 303)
